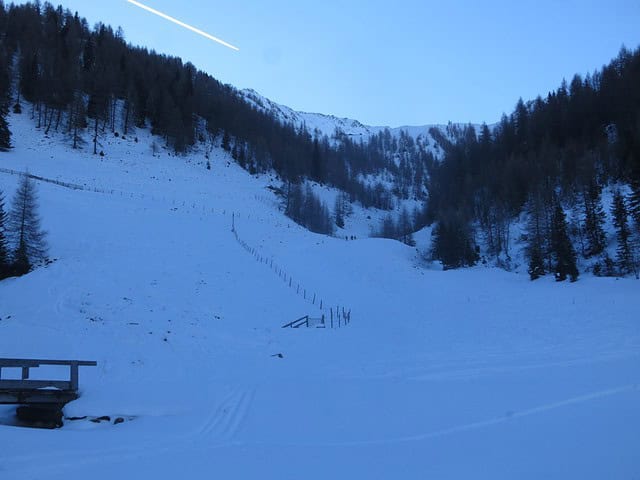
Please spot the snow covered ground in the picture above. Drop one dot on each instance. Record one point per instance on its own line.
(464, 374)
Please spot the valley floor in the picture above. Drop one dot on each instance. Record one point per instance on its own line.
(465, 374)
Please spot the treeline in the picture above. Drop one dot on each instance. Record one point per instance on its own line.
(400, 228)
(22, 240)
(551, 156)
(80, 80)
(306, 209)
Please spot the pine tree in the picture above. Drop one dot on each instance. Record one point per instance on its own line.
(405, 228)
(78, 118)
(453, 243)
(634, 201)
(564, 255)
(339, 212)
(226, 141)
(5, 82)
(29, 239)
(594, 218)
(624, 255)
(536, 262)
(388, 228)
(5, 133)
(536, 237)
(316, 163)
(4, 250)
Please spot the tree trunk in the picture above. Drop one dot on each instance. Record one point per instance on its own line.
(126, 118)
(58, 118)
(95, 138)
(50, 121)
(113, 115)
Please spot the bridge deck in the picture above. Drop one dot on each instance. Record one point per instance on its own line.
(39, 392)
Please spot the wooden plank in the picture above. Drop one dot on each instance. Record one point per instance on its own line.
(18, 363)
(34, 384)
(36, 397)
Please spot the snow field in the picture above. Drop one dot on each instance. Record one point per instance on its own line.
(476, 373)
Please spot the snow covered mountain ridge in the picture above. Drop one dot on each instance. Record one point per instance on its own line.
(329, 124)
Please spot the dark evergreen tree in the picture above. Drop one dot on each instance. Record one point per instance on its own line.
(29, 240)
(625, 253)
(339, 212)
(306, 209)
(594, 219)
(405, 228)
(77, 118)
(453, 243)
(5, 133)
(5, 85)
(388, 228)
(536, 237)
(563, 253)
(536, 261)
(4, 247)
(316, 163)
(226, 141)
(634, 200)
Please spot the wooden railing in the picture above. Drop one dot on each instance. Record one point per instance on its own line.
(301, 322)
(26, 365)
(341, 320)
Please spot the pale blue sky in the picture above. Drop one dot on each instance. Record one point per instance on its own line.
(382, 62)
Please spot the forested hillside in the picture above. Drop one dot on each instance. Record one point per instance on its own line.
(87, 82)
(546, 164)
(550, 156)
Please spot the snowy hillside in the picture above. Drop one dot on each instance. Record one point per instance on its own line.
(329, 124)
(476, 373)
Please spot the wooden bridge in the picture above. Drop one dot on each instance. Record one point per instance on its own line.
(40, 398)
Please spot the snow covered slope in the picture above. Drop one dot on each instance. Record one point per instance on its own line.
(450, 375)
(328, 124)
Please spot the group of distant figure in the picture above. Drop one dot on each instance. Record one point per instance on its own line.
(352, 237)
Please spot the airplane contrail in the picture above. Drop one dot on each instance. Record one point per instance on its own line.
(182, 24)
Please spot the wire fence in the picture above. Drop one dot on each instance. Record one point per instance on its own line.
(332, 315)
(192, 205)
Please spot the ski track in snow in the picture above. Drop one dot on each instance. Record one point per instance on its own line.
(493, 421)
(218, 432)
(227, 418)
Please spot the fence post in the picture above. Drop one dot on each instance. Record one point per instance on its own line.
(74, 376)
